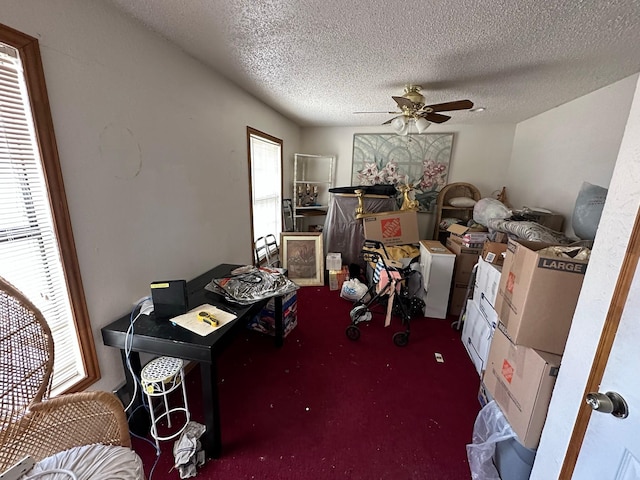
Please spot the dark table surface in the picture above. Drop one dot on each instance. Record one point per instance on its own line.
(164, 338)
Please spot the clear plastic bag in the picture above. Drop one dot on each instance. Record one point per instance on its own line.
(249, 284)
(490, 427)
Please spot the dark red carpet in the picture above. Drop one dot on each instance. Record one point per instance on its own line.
(325, 407)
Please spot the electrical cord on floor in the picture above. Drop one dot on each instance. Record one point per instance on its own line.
(158, 452)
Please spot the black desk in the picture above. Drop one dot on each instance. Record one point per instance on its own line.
(163, 338)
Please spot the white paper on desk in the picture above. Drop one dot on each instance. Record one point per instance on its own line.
(190, 320)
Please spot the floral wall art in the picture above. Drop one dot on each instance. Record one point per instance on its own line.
(420, 160)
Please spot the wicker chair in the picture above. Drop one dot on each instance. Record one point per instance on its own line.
(31, 423)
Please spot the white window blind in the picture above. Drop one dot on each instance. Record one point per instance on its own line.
(29, 249)
(266, 185)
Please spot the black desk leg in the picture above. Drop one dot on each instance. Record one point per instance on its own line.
(212, 438)
(279, 321)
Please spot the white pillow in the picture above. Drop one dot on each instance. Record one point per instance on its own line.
(462, 202)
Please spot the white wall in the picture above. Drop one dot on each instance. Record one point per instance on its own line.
(481, 155)
(153, 152)
(608, 252)
(554, 152)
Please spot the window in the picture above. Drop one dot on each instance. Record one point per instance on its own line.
(37, 252)
(265, 178)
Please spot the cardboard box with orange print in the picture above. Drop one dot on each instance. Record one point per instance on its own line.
(392, 228)
(521, 381)
(537, 296)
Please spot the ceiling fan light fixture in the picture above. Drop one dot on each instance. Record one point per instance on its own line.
(422, 124)
(400, 125)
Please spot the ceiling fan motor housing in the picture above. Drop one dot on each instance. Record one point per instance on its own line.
(412, 92)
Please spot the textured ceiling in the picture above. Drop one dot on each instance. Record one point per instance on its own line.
(318, 61)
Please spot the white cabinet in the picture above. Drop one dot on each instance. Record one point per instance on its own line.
(436, 265)
(312, 179)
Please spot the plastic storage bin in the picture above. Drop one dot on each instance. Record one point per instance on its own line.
(513, 460)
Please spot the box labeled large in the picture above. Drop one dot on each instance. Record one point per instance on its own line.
(392, 228)
(521, 381)
(537, 296)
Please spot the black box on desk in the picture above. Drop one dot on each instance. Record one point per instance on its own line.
(265, 321)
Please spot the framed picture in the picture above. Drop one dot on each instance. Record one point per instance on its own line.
(302, 255)
(419, 160)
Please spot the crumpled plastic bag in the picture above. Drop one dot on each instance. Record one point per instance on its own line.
(572, 252)
(248, 284)
(490, 427)
(187, 450)
(489, 208)
(353, 290)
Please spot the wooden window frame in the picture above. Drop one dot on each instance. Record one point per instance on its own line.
(34, 77)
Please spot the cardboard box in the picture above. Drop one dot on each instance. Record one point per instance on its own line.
(337, 278)
(466, 258)
(521, 381)
(458, 299)
(494, 252)
(487, 282)
(550, 220)
(392, 228)
(477, 334)
(467, 236)
(487, 310)
(265, 321)
(537, 296)
(484, 396)
(333, 261)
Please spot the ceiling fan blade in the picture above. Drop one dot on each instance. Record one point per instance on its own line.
(404, 102)
(388, 113)
(448, 106)
(436, 117)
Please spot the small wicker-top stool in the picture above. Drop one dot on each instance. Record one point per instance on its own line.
(159, 378)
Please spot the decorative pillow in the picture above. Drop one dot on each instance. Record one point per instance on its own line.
(462, 202)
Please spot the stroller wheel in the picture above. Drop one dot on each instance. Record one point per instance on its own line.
(401, 339)
(353, 332)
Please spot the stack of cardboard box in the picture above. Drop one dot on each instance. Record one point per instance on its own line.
(466, 258)
(536, 299)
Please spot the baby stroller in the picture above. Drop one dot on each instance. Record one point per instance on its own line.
(390, 289)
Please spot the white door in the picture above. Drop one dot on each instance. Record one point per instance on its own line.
(611, 446)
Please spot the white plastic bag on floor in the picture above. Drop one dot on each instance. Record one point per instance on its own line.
(353, 290)
(490, 427)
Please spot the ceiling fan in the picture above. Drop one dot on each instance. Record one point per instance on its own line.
(412, 107)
